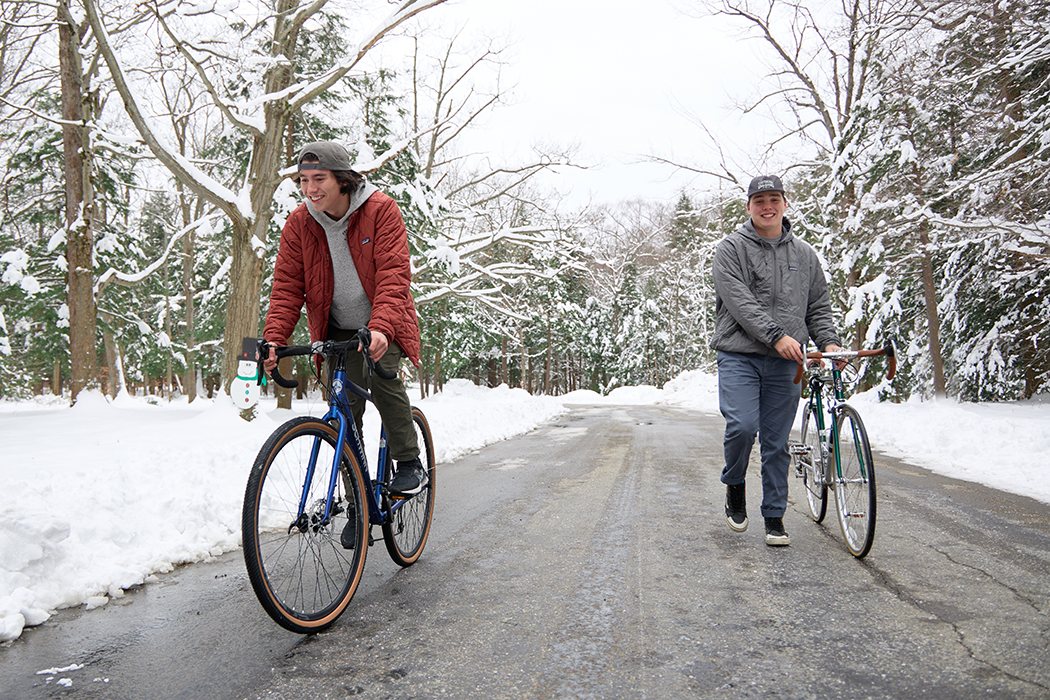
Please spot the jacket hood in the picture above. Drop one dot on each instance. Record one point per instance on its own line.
(747, 230)
(357, 199)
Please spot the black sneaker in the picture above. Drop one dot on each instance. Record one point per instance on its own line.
(409, 479)
(776, 536)
(736, 507)
(348, 538)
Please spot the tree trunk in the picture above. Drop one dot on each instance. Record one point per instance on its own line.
(242, 309)
(547, 363)
(268, 155)
(284, 396)
(112, 370)
(933, 317)
(56, 377)
(526, 366)
(439, 377)
(304, 381)
(503, 371)
(80, 296)
(493, 378)
(189, 379)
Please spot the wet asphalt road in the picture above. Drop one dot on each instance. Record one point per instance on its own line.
(590, 558)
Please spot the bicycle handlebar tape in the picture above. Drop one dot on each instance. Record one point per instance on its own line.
(382, 372)
(891, 355)
(281, 381)
(244, 390)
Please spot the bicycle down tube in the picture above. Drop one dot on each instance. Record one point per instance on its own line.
(834, 452)
(347, 429)
(305, 574)
(339, 409)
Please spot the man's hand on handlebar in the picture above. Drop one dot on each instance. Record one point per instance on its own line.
(377, 348)
(790, 349)
(270, 361)
(840, 363)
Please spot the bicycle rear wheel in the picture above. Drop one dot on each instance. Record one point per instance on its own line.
(407, 529)
(813, 466)
(855, 483)
(303, 576)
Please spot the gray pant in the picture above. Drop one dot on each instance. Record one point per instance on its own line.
(757, 395)
(389, 395)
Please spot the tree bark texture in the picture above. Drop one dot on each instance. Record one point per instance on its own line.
(933, 317)
(189, 332)
(80, 296)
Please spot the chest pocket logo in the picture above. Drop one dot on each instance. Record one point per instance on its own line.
(366, 240)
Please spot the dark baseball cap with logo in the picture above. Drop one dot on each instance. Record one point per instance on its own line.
(324, 155)
(764, 183)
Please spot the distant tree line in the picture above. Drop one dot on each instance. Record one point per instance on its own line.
(144, 155)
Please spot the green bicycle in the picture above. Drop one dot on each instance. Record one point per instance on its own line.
(834, 452)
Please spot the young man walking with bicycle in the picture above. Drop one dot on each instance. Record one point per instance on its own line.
(770, 299)
(344, 254)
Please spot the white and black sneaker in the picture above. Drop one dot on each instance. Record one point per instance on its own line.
(776, 536)
(409, 479)
(736, 507)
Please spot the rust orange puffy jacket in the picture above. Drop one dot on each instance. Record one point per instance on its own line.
(303, 274)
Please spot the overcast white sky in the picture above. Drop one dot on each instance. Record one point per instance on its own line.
(620, 79)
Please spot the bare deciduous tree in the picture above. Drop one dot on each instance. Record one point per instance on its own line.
(262, 117)
(77, 110)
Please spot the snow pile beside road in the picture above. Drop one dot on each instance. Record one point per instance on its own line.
(100, 497)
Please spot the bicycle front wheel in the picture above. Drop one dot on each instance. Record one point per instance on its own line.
(813, 466)
(300, 570)
(408, 527)
(855, 483)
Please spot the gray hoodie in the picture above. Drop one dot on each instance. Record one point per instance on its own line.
(765, 289)
(351, 308)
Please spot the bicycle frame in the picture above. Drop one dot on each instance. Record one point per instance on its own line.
(339, 410)
(829, 436)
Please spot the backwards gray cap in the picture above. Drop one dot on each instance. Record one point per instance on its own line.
(328, 154)
(765, 183)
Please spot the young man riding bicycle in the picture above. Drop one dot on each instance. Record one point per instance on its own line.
(770, 299)
(344, 254)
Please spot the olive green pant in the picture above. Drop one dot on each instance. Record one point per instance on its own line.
(389, 396)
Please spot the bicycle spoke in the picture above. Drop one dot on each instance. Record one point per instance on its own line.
(408, 524)
(854, 483)
(302, 576)
(813, 465)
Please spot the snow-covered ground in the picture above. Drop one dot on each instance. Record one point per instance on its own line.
(100, 497)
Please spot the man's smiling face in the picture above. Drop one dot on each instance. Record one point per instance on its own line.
(322, 189)
(767, 213)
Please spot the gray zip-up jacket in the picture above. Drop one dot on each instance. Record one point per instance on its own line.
(765, 289)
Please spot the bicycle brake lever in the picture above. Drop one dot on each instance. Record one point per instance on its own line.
(364, 336)
(262, 348)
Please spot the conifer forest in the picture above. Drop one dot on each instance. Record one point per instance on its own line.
(146, 155)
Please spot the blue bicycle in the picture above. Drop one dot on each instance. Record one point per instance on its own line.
(309, 484)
